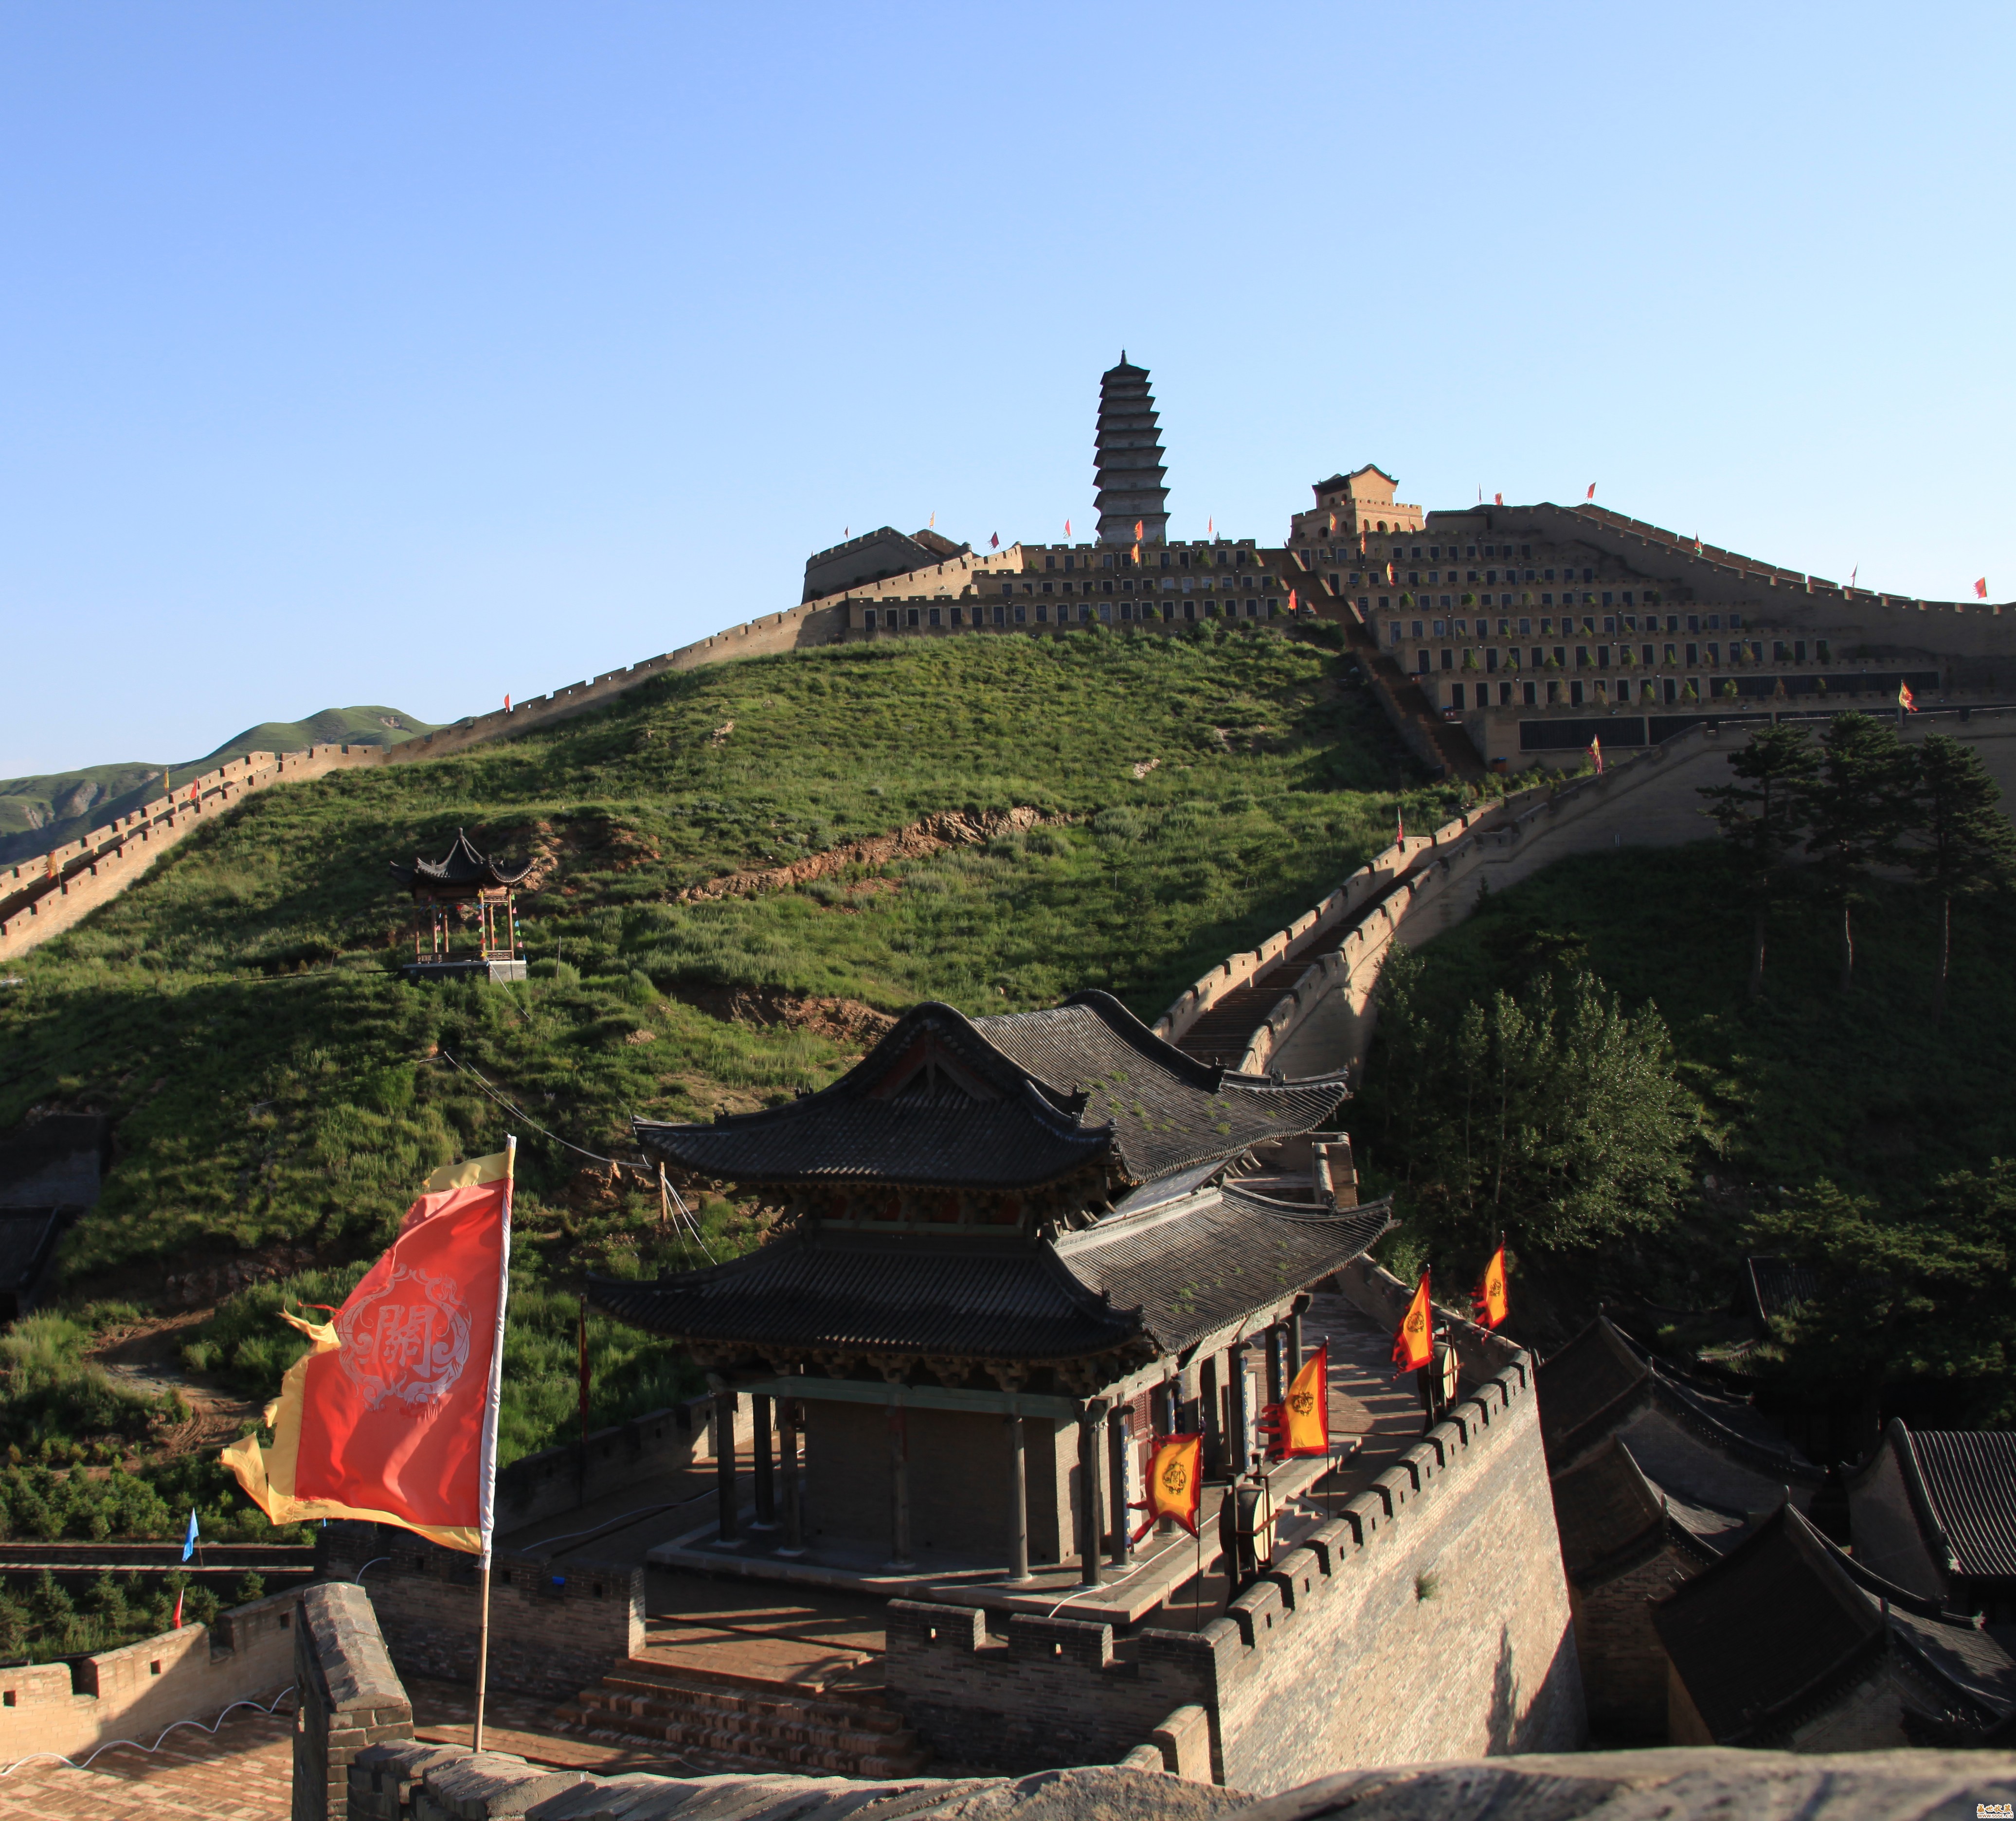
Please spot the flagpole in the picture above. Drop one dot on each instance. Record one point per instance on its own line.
(486, 1519)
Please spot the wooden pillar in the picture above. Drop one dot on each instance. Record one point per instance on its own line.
(1092, 1419)
(1236, 1419)
(1119, 1438)
(1166, 1404)
(1210, 1420)
(724, 1465)
(766, 1486)
(1276, 1338)
(1018, 1496)
(1296, 1310)
(899, 1488)
(794, 1515)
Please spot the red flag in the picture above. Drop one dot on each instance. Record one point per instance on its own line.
(178, 1609)
(1209, 525)
(1488, 1297)
(1066, 529)
(1176, 1481)
(392, 1415)
(1905, 700)
(1980, 589)
(1498, 499)
(507, 704)
(1591, 494)
(1299, 1425)
(996, 540)
(1399, 829)
(1291, 601)
(1138, 524)
(1596, 753)
(1414, 1345)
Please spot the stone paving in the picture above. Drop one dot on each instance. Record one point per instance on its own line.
(244, 1773)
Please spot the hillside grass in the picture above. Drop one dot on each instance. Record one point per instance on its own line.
(280, 1093)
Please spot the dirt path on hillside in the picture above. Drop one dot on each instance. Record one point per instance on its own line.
(146, 1356)
(951, 828)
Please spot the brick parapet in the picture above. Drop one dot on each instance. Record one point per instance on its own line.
(350, 1697)
(1293, 1677)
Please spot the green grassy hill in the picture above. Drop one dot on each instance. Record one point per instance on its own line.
(45, 812)
(280, 1093)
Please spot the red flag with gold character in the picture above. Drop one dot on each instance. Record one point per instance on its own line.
(1300, 1423)
(1175, 1482)
(1414, 1346)
(1489, 1296)
(392, 1414)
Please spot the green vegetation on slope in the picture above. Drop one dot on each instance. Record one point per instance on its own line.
(45, 812)
(281, 1094)
(1804, 1087)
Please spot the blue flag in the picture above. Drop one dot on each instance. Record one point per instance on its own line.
(188, 1542)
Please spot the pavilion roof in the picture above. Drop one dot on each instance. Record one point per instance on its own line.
(1165, 1276)
(1004, 1103)
(462, 871)
(1969, 1480)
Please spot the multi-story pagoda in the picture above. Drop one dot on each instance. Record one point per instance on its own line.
(464, 876)
(1129, 470)
(1009, 1255)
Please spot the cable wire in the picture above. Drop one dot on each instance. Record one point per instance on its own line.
(111, 1744)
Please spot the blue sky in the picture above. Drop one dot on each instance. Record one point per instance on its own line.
(415, 353)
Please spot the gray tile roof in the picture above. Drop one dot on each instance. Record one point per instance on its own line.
(1165, 1277)
(1000, 1103)
(1969, 1476)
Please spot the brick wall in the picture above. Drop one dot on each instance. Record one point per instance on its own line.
(554, 1626)
(195, 1673)
(350, 1695)
(1623, 1665)
(660, 1441)
(1431, 1620)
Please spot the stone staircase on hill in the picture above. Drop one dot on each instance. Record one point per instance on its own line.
(723, 1722)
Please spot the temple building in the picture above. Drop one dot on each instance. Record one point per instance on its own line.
(1129, 472)
(1009, 1255)
(464, 884)
(1934, 1510)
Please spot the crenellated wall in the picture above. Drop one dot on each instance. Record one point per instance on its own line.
(1428, 1620)
(140, 1689)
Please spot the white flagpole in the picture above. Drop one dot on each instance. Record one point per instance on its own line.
(487, 1508)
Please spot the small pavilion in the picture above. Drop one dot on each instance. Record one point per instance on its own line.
(463, 875)
(1009, 1255)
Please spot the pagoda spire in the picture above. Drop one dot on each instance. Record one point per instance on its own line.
(1129, 468)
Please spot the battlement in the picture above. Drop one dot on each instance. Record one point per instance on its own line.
(1392, 1632)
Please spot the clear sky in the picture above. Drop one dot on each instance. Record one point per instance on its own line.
(412, 354)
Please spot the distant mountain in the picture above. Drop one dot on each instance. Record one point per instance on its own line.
(37, 814)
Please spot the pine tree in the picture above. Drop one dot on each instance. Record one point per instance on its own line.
(1962, 843)
(1856, 813)
(1763, 820)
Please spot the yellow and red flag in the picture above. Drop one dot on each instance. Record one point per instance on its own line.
(1138, 524)
(1596, 753)
(1981, 587)
(1414, 1346)
(1489, 1296)
(391, 1415)
(1905, 700)
(1175, 1482)
(1300, 1423)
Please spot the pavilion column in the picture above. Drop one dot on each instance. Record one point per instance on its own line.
(795, 1513)
(1091, 1421)
(1235, 1442)
(899, 1488)
(1211, 1422)
(1166, 1404)
(1296, 1310)
(1018, 1496)
(1119, 1438)
(724, 1464)
(1277, 1340)
(766, 1487)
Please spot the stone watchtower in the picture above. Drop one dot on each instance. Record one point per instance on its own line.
(1129, 460)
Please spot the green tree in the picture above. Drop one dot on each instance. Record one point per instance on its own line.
(1554, 1118)
(1962, 844)
(1922, 1295)
(1762, 818)
(1856, 811)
